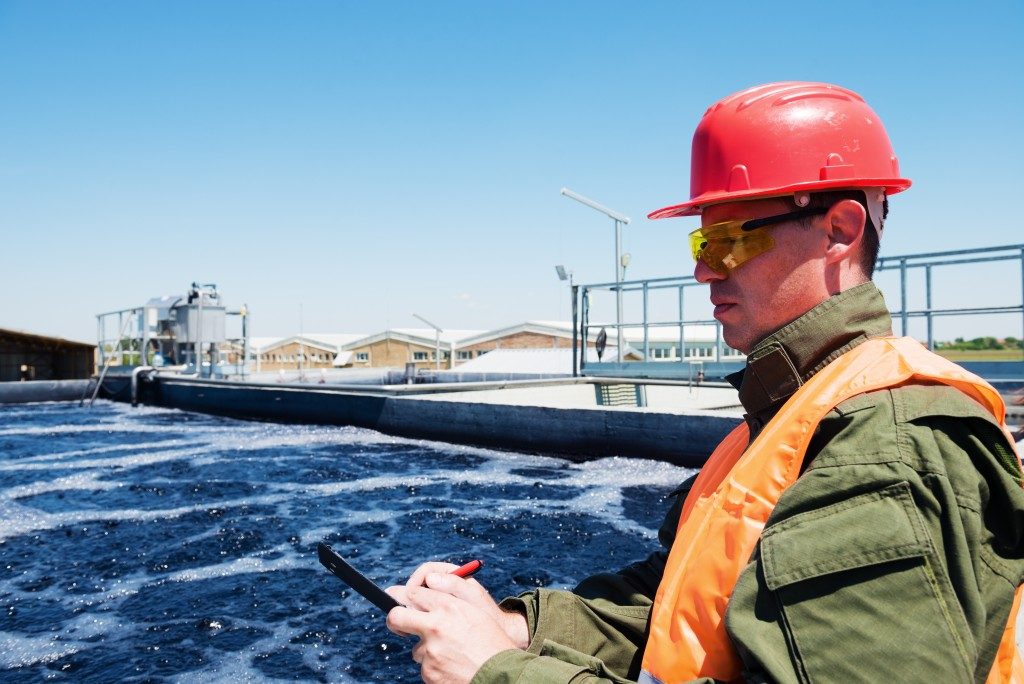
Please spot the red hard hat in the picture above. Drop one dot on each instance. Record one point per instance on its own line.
(784, 138)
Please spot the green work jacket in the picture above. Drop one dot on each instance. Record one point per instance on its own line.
(848, 594)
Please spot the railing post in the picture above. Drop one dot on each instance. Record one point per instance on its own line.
(682, 326)
(575, 331)
(928, 304)
(100, 341)
(903, 297)
(647, 345)
(584, 326)
(718, 342)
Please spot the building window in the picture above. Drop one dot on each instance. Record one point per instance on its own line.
(463, 355)
(362, 356)
(419, 356)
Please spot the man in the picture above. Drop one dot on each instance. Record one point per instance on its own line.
(864, 523)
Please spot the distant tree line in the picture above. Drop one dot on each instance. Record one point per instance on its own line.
(981, 343)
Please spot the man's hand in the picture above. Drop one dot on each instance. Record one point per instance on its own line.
(456, 637)
(438, 576)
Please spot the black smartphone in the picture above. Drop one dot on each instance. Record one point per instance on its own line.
(355, 579)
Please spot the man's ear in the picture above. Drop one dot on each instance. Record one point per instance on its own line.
(844, 227)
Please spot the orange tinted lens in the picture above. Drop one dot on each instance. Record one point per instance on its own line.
(725, 246)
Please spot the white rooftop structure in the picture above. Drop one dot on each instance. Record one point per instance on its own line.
(540, 361)
(423, 336)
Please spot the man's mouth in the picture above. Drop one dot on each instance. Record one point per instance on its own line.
(722, 304)
(722, 308)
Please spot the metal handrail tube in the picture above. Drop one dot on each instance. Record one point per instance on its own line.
(633, 285)
(904, 263)
(973, 250)
(1005, 257)
(976, 311)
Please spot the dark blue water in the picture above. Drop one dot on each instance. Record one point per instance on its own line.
(154, 545)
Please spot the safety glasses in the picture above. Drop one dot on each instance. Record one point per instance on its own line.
(727, 245)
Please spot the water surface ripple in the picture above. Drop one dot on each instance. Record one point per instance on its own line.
(155, 545)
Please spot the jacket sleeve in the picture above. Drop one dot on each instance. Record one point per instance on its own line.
(594, 633)
(894, 557)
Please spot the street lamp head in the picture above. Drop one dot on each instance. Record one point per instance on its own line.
(438, 329)
(562, 273)
(625, 259)
(614, 215)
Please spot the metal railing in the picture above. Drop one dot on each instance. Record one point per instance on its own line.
(131, 348)
(679, 284)
(905, 264)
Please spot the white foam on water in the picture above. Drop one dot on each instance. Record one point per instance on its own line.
(254, 563)
(88, 481)
(18, 650)
(227, 667)
(594, 488)
(64, 455)
(35, 521)
(312, 535)
(600, 495)
(91, 625)
(133, 428)
(130, 461)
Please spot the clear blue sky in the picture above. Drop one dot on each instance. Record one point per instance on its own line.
(373, 159)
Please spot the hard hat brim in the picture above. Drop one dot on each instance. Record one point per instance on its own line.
(694, 206)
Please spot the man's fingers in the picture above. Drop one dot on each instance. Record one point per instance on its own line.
(468, 590)
(420, 573)
(398, 592)
(407, 621)
(422, 598)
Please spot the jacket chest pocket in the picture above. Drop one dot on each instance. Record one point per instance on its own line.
(861, 596)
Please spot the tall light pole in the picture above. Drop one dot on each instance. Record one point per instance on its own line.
(437, 341)
(564, 275)
(620, 265)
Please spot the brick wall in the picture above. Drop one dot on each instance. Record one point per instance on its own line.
(286, 357)
(391, 353)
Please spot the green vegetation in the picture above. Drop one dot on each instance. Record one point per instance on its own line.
(981, 343)
(981, 355)
(982, 349)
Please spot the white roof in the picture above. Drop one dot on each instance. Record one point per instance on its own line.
(422, 336)
(553, 328)
(634, 334)
(327, 342)
(529, 361)
(333, 339)
(342, 359)
(259, 343)
(429, 333)
(426, 336)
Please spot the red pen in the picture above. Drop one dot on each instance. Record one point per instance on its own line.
(469, 569)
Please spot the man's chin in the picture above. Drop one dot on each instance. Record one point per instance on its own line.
(734, 336)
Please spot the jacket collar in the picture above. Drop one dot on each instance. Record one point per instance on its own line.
(786, 359)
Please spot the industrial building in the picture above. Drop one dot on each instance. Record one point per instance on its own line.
(26, 356)
(302, 352)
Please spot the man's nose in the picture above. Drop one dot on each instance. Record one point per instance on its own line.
(703, 273)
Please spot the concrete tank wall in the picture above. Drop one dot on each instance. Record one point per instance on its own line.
(42, 390)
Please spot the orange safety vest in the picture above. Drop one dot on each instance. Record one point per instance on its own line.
(737, 489)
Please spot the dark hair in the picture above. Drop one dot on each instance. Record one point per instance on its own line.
(869, 243)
